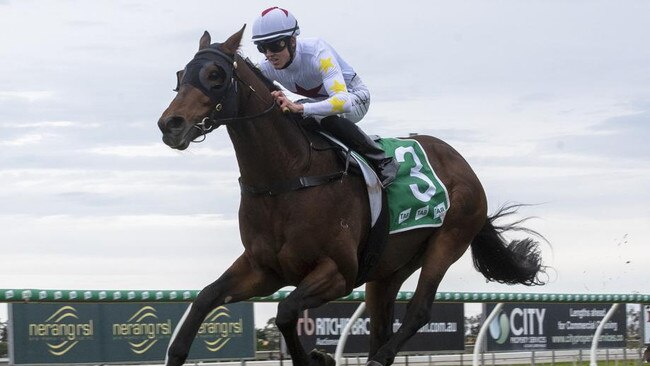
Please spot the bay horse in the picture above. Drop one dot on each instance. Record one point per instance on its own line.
(311, 237)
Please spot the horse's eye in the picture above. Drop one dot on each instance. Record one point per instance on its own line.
(214, 76)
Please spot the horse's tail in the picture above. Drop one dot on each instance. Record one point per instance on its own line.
(517, 262)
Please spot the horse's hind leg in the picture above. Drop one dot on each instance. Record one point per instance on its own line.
(323, 284)
(240, 282)
(380, 304)
(444, 248)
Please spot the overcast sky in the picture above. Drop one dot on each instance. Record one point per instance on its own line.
(549, 101)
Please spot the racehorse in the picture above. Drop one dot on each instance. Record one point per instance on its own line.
(311, 237)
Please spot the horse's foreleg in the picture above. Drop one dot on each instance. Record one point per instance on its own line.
(323, 284)
(441, 253)
(240, 282)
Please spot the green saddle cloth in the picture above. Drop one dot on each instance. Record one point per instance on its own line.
(417, 198)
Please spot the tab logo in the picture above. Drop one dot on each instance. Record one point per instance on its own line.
(404, 215)
(421, 212)
(439, 211)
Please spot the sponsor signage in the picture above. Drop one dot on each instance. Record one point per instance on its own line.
(138, 332)
(322, 327)
(646, 326)
(553, 326)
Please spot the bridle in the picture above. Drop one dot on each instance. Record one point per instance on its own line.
(224, 96)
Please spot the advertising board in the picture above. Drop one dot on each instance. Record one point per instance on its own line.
(553, 326)
(134, 332)
(321, 328)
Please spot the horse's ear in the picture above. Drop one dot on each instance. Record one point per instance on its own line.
(205, 40)
(232, 44)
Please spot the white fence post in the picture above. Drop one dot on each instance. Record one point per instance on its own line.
(481, 333)
(599, 330)
(338, 355)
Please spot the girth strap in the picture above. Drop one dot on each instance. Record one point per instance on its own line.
(291, 185)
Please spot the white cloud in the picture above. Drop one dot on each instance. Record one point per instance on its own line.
(49, 124)
(496, 118)
(28, 139)
(56, 181)
(133, 151)
(157, 150)
(30, 96)
(108, 223)
(60, 251)
(491, 150)
(577, 160)
(206, 151)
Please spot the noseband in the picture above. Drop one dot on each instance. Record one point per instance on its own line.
(223, 96)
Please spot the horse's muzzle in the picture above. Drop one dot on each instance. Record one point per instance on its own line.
(171, 124)
(175, 131)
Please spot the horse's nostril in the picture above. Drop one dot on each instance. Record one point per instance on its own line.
(172, 123)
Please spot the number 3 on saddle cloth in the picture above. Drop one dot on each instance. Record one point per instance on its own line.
(416, 199)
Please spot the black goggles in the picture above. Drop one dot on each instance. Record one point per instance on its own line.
(274, 46)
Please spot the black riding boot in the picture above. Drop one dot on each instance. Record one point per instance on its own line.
(350, 134)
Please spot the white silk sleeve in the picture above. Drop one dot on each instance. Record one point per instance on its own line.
(339, 101)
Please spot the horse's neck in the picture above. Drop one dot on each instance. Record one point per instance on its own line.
(269, 148)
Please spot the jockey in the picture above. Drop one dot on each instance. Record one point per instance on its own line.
(335, 94)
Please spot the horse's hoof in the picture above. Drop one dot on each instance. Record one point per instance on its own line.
(373, 363)
(319, 358)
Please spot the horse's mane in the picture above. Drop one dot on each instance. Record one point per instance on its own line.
(256, 70)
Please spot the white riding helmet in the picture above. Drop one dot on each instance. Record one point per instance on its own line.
(274, 23)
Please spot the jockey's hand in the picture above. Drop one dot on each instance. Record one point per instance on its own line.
(286, 103)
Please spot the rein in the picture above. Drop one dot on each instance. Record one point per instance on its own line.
(211, 122)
